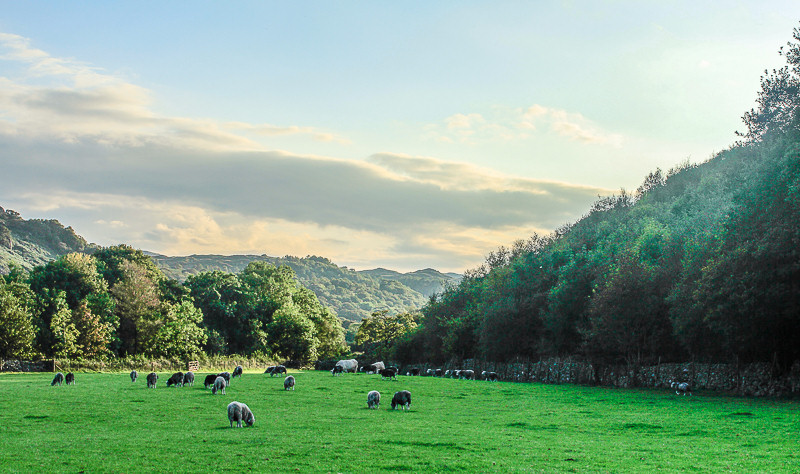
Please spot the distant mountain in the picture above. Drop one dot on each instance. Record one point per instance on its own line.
(32, 242)
(352, 294)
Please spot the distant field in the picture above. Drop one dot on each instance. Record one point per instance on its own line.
(107, 424)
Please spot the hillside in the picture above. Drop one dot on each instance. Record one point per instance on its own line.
(32, 242)
(352, 294)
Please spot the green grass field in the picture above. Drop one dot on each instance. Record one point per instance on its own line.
(105, 423)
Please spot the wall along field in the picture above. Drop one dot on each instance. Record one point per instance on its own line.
(106, 423)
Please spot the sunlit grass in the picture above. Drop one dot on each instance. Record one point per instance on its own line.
(106, 423)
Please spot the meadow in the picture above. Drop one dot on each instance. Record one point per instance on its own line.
(105, 423)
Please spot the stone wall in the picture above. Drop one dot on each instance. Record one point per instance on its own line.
(26, 365)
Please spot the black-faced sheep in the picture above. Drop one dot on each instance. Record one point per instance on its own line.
(188, 378)
(373, 399)
(490, 376)
(69, 379)
(219, 385)
(237, 372)
(348, 365)
(413, 372)
(681, 388)
(134, 375)
(152, 379)
(239, 412)
(58, 379)
(337, 370)
(209, 381)
(288, 383)
(437, 373)
(403, 399)
(388, 374)
(176, 380)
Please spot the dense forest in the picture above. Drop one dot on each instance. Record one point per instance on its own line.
(352, 294)
(700, 263)
(116, 302)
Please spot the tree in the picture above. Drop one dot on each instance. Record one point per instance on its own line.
(179, 333)
(377, 333)
(137, 303)
(17, 333)
(291, 335)
(65, 334)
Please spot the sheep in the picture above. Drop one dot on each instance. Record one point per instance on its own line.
(369, 369)
(219, 385)
(176, 380)
(429, 373)
(288, 383)
(279, 369)
(379, 366)
(414, 372)
(490, 376)
(134, 375)
(388, 374)
(226, 376)
(58, 379)
(152, 378)
(270, 369)
(403, 399)
(337, 370)
(239, 412)
(209, 381)
(437, 373)
(681, 388)
(373, 399)
(237, 372)
(349, 365)
(467, 374)
(188, 378)
(69, 378)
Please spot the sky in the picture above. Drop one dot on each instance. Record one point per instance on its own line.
(403, 135)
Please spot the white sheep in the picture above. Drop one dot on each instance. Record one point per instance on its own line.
(239, 412)
(219, 385)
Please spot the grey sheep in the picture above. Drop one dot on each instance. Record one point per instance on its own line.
(134, 375)
(240, 412)
(188, 378)
(373, 399)
(219, 384)
(226, 376)
(58, 379)
(152, 378)
(69, 378)
(403, 399)
(288, 383)
(176, 380)
(682, 388)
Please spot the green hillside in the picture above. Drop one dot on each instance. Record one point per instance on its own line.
(32, 242)
(352, 294)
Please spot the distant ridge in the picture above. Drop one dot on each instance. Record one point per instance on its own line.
(353, 294)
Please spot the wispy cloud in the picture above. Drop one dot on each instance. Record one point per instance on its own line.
(519, 124)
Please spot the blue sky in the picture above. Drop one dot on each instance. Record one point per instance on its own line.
(404, 135)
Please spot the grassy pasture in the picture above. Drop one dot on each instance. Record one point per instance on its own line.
(107, 424)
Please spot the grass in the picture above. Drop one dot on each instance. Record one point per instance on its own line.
(105, 423)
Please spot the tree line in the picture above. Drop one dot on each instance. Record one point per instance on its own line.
(117, 303)
(699, 263)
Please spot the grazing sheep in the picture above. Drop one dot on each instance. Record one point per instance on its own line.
(373, 399)
(58, 379)
(279, 369)
(188, 378)
(69, 378)
(467, 374)
(237, 372)
(209, 381)
(219, 385)
(682, 388)
(176, 380)
(369, 369)
(414, 372)
(490, 376)
(429, 372)
(134, 375)
(403, 399)
(437, 373)
(348, 365)
(226, 376)
(239, 412)
(379, 366)
(270, 369)
(388, 374)
(288, 383)
(337, 370)
(152, 378)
